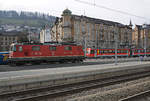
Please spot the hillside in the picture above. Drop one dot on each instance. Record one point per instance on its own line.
(26, 18)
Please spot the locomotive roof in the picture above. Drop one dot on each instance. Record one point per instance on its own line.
(47, 43)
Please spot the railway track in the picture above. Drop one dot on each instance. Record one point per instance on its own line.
(64, 89)
(138, 97)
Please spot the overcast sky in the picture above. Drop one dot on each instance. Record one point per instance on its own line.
(55, 7)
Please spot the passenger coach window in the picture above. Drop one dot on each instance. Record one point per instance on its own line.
(35, 48)
(92, 51)
(20, 48)
(52, 48)
(68, 48)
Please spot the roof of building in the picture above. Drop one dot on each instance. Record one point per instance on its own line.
(101, 21)
(9, 34)
(67, 12)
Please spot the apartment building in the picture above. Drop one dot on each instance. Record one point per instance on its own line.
(95, 33)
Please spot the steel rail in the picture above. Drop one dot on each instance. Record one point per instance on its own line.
(136, 96)
(62, 90)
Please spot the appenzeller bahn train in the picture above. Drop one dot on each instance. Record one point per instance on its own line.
(21, 53)
(92, 53)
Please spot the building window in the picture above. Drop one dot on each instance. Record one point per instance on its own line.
(35, 48)
(52, 48)
(14, 38)
(68, 48)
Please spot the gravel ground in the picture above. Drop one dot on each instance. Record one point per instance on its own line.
(110, 93)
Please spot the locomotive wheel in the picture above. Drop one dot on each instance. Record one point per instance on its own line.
(12, 63)
(19, 64)
(77, 61)
(80, 61)
(74, 61)
(62, 61)
(36, 63)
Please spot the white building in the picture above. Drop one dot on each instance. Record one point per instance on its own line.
(45, 35)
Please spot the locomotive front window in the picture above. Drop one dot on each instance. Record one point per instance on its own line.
(35, 48)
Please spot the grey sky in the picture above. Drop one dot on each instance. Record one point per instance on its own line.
(55, 7)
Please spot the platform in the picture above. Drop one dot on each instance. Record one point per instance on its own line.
(53, 74)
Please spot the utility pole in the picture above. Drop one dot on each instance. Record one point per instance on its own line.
(145, 41)
(85, 47)
(84, 34)
(29, 36)
(145, 34)
(116, 44)
(96, 43)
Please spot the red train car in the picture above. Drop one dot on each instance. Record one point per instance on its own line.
(90, 53)
(106, 52)
(21, 53)
(140, 52)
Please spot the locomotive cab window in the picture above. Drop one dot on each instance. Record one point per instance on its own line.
(13, 48)
(52, 48)
(20, 49)
(110, 51)
(68, 48)
(148, 50)
(35, 48)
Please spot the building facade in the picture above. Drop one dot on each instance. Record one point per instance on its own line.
(141, 36)
(6, 41)
(95, 33)
(45, 35)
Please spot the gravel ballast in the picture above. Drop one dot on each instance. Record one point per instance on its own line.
(116, 94)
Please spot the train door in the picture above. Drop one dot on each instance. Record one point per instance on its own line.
(53, 50)
(68, 50)
(131, 52)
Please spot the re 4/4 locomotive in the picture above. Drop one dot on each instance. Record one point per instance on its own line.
(92, 53)
(21, 53)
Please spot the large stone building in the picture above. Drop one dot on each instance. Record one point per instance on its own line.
(141, 36)
(96, 33)
(6, 40)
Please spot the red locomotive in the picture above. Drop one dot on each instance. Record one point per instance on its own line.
(21, 53)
